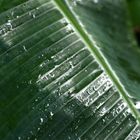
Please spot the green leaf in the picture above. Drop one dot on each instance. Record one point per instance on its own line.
(134, 6)
(56, 58)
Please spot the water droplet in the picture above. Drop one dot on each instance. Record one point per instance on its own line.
(95, 1)
(71, 90)
(103, 111)
(69, 28)
(64, 22)
(30, 82)
(75, 2)
(52, 57)
(103, 120)
(128, 110)
(24, 48)
(52, 75)
(41, 120)
(12, 13)
(137, 105)
(31, 132)
(51, 114)
(71, 64)
(72, 95)
(76, 127)
(45, 78)
(41, 65)
(34, 16)
(30, 13)
(9, 25)
(19, 138)
(39, 76)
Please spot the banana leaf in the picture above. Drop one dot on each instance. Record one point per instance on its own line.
(69, 71)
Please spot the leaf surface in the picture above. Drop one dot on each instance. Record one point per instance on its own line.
(52, 85)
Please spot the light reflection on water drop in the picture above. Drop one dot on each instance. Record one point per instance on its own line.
(24, 48)
(75, 2)
(34, 16)
(69, 28)
(103, 111)
(137, 105)
(41, 120)
(51, 114)
(9, 25)
(39, 76)
(95, 1)
(52, 75)
(30, 13)
(64, 22)
(12, 13)
(69, 137)
(30, 82)
(38, 128)
(71, 64)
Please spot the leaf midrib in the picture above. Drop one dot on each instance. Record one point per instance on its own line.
(94, 51)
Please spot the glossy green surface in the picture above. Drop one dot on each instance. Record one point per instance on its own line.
(52, 87)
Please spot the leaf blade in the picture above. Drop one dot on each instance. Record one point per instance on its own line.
(49, 99)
